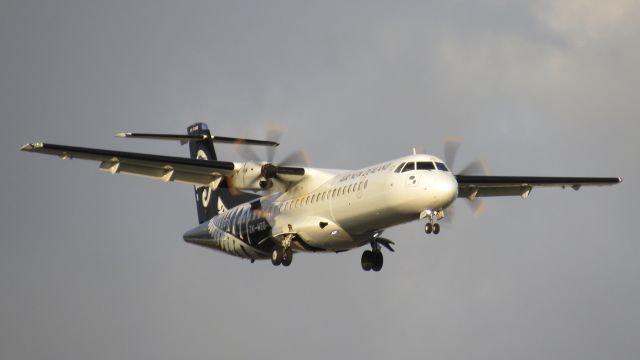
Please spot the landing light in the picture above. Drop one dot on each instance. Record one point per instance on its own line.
(334, 232)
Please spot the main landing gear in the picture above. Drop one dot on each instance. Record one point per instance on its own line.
(283, 254)
(373, 259)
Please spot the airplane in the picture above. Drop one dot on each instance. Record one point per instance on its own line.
(260, 210)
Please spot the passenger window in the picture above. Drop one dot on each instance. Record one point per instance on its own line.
(426, 165)
(410, 166)
(441, 166)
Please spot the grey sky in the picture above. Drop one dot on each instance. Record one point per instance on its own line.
(93, 266)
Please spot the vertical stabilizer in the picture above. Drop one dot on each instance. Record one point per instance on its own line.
(212, 202)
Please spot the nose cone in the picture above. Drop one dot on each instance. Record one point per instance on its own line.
(447, 189)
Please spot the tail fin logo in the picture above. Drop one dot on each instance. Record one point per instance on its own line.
(206, 196)
(206, 190)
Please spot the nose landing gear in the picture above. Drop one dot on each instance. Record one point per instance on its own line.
(432, 226)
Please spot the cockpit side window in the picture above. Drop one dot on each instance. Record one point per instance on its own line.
(399, 168)
(426, 165)
(410, 166)
(441, 166)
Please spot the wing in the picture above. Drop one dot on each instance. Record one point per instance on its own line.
(472, 186)
(166, 168)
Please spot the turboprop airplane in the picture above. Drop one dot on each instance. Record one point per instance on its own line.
(260, 210)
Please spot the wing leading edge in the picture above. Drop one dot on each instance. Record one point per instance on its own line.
(472, 186)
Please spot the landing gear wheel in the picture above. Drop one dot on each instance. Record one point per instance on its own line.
(436, 228)
(428, 228)
(276, 257)
(367, 260)
(377, 261)
(287, 258)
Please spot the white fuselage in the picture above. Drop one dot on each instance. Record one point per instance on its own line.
(332, 210)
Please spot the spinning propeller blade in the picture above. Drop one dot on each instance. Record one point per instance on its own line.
(274, 133)
(476, 167)
(269, 171)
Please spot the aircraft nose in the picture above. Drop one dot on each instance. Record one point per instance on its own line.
(448, 189)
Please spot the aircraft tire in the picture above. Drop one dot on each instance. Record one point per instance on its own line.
(378, 260)
(276, 257)
(287, 258)
(436, 228)
(428, 228)
(367, 260)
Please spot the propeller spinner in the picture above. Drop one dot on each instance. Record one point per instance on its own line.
(475, 167)
(270, 172)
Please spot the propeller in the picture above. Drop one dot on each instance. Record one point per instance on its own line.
(476, 167)
(270, 172)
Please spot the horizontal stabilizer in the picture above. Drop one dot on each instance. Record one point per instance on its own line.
(184, 138)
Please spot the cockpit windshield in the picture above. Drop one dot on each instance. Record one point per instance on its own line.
(421, 165)
(441, 166)
(425, 165)
(410, 166)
